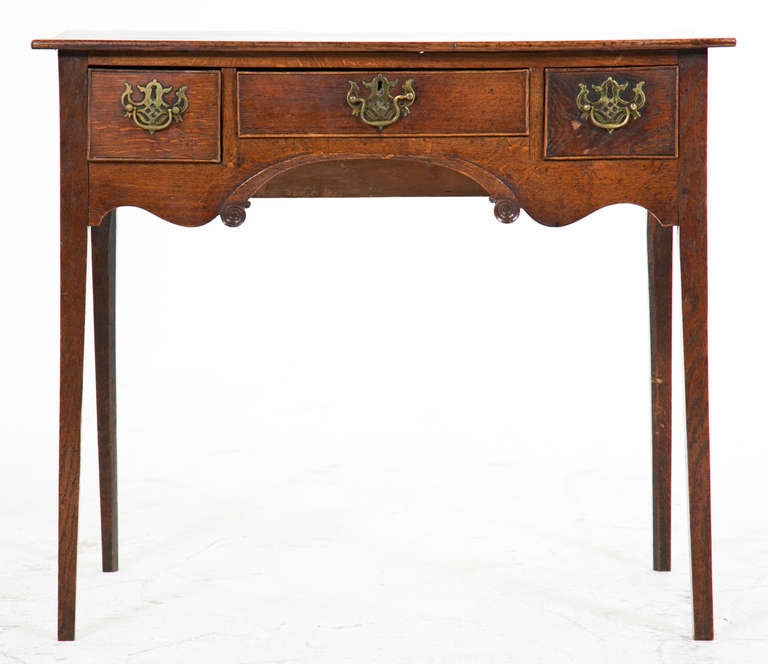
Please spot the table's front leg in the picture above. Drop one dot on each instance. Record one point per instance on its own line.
(693, 273)
(74, 245)
(693, 270)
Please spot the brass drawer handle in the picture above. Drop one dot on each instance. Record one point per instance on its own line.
(609, 111)
(381, 109)
(152, 112)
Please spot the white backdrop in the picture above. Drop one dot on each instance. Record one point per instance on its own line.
(383, 430)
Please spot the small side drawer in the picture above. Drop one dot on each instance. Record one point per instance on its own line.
(187, 101)
(446, 103)
(651, 132)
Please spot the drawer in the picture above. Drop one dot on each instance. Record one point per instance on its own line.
(581, 121)
(153, 115)
(445, 103)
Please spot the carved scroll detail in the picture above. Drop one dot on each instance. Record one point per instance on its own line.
(233, 214)
(506, 210)
(502, 193)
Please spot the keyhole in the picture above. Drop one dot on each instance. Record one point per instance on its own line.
(378, 85)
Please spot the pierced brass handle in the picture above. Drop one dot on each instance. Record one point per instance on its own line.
(609, 111)
(381, 109)
(152, 112)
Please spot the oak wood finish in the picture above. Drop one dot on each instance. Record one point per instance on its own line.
(369, 177)
(556, 193)
(296, 103)
(103, 250)
(73, 107)
(255, 43)
(344, 60)
(660, 300)
(653, 134)
(692, 199)
(520, 146)
(114, 137)
(500, 191)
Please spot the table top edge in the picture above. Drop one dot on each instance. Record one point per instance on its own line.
(241, 46)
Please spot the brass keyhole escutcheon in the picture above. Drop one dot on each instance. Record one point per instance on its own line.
(381, 109)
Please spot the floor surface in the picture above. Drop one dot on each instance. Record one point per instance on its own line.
(446, 549)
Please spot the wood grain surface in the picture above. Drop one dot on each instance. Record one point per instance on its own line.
(692, 198)
(114, 137)
(99, 42)
(660, 300)
(653, 134)
(490, 118)
(103, 271)
(481, 103)
(73, 107)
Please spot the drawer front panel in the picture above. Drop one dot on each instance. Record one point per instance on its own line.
(447, 103)
(154, 123)
(581, 126)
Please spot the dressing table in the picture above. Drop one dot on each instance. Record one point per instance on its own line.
(190, 130)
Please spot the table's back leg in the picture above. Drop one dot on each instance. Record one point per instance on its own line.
(693, 273)
(74, 248)
(103, 273)
(660, 300)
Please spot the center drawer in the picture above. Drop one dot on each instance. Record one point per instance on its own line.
(440, 103)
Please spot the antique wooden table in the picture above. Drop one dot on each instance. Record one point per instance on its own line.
(191, 130)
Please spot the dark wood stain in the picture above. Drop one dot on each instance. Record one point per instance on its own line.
(581, 187)
(374, 177)
(653, 134)
(447, 103)
(660, 300)
(103, 250)
(519, 146)
(115, 137)
(73, 110)
(692, 199)
(405, 60)
(97, 44)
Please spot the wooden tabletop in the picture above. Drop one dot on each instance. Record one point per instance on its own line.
(245, 43)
